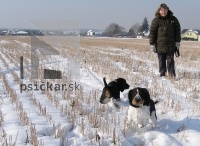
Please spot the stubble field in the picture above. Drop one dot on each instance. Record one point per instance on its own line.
(77, 117)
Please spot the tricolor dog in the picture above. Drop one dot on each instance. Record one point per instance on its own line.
(112, 90)
(141, 109)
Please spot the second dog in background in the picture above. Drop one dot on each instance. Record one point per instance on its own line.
(112, 90)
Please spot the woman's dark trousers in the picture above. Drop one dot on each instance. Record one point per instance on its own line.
(166, 63)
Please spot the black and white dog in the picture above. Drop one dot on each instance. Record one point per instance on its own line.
(141, 109)
(112, 90)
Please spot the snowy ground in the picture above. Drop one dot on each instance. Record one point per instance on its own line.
(76, 118)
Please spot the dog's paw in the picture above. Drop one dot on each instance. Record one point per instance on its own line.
(116, 105)
(141, 126)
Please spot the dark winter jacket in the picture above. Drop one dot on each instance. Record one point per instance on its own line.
(165, 32)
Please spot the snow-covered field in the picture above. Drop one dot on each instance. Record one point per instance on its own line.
(32, 114)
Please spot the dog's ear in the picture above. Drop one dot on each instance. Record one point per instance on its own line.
(145, 95)
(122, 84)
(145, 92)
(130, 94)
(104, 80)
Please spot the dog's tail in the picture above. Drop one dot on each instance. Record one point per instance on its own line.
(104, 80)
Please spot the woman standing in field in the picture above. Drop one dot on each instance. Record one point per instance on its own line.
(164, 38)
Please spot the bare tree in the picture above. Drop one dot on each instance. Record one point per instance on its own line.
(134, 30)
(114, 29)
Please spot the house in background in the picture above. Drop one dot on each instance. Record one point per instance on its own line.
(190, 35)
(97, 33)
(90, 33)
(140, 36)
(21, 32)
(184, 30)
(146, 34)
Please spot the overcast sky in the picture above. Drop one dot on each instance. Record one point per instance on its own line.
(95, 14)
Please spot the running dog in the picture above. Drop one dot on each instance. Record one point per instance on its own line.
(112, 90)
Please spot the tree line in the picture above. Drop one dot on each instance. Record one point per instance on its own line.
(116, 30)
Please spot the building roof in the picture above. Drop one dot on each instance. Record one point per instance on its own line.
(21, 32)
